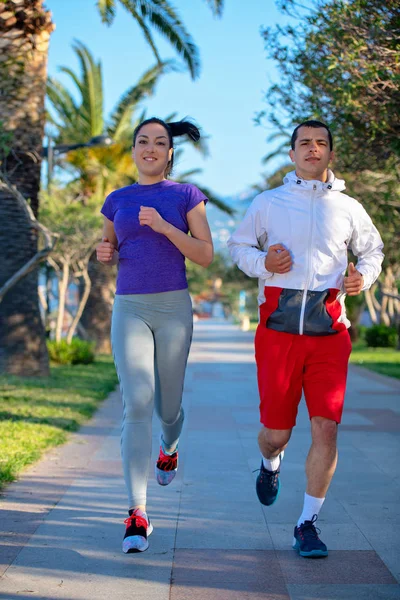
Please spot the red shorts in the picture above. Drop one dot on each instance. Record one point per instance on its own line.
(287, 364)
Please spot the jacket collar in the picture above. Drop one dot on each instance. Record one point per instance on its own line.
(333, 184)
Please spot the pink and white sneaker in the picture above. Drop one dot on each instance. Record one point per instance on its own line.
(138, 528)
(166, 467)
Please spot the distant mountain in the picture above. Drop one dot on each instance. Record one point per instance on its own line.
(221, 224)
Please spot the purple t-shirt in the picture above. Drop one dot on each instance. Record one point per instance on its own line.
(148, 261)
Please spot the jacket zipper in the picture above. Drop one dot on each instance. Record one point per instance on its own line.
(304, 299)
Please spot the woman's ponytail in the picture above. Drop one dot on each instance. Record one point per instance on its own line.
(184, 127)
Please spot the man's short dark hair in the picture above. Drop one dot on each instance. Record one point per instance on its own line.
(316, 125)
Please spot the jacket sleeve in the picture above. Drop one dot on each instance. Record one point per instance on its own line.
(244, 244)
(366, 244)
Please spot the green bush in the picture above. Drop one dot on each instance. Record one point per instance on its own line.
(381, 336)
(75, 353)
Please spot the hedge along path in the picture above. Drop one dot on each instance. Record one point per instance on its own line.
(39, 413)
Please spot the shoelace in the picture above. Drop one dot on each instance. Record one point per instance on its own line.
(308, 529)
(136, 521)
(272, 479)
(166, 462)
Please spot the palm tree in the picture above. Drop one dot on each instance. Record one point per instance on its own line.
(98, 170)
(25, 31)
(25, 28)
(101, 170)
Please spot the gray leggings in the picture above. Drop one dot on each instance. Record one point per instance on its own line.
(151, 336)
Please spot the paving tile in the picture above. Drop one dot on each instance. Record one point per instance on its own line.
(221, 528)
(340, 567)
(344, 592)
(377, 420)
(385, 539)
(226, 575)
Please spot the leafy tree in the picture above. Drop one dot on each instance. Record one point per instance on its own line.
(77, 227)
(340, 62)
(25, 28)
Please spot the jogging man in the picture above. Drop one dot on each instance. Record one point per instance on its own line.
(295, 239)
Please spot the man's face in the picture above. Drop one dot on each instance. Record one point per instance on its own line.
(312, 153)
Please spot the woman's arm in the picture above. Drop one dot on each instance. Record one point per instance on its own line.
(198, 246)
(106, 251)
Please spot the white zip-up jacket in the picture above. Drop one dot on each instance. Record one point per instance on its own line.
(318, 224)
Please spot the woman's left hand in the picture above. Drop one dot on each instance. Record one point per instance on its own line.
(149, 216)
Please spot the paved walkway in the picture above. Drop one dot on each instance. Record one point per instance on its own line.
(62, 522)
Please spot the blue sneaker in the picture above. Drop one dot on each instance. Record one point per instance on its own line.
(268, 484)
(307, 542)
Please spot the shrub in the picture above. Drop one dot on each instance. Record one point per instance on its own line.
(381, 336)
(75, 353)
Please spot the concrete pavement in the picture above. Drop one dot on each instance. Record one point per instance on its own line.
(61, 525)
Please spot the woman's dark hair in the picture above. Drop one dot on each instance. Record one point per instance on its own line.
(174, 129)
(316, 125)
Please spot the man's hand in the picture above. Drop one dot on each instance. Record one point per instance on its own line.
(105, 251)
(149, 216)
(354, 282)
(278, 259)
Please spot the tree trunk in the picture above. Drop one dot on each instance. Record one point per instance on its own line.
(87, 284)
(369, 296)
(96, 318)
(62, 296)
(25, 28)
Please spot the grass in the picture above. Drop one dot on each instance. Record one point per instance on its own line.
(38, 413)
(385, 361)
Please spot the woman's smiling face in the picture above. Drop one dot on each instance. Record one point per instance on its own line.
(152, 152)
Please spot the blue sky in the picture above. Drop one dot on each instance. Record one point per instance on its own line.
(223, 101)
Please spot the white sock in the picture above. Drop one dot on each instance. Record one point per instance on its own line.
(311, 507)
(272, 464)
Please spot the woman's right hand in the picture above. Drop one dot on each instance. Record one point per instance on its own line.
(105, 251)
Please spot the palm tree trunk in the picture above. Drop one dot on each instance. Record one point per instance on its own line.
(25, 29)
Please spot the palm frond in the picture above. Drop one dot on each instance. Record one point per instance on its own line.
(73, 76)
(147, 33)
(223, 206)
(282, 149)
(121, 116)
(106, 10)
(200, 146)
(62, 102)
(161, 15)
(217, 6)
(91, 89)
(189, 174)
(277, 135)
